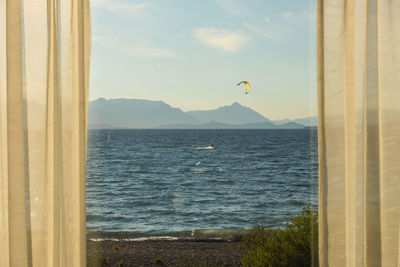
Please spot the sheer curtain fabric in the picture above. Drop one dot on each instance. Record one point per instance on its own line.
(44, 74)
(359, 132)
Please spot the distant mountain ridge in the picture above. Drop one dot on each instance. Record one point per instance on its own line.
(135, 113)
(309, 121)
(147, 114)
(233, 114)
(219, 125)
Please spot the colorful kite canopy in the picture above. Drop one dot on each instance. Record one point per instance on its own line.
(247, 86)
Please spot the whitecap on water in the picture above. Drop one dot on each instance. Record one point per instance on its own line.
(204, 147)
(200, 171)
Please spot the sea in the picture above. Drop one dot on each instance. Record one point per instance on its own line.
(182, 183)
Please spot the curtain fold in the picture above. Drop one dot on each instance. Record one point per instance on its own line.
(359, 132)
(44, 85)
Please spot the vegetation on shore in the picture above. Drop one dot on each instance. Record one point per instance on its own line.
(293, 244)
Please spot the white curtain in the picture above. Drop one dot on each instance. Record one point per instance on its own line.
(44, 74)
(359, 132)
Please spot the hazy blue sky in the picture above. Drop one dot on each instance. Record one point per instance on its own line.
(191, 53)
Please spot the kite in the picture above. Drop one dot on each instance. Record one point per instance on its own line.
(247, 86)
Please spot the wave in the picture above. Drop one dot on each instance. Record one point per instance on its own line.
(92, 217)
(204, 147)
(194, 233)
(200, 171)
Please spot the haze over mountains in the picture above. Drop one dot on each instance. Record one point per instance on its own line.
(233, 114)
(146, 114)
(309, 121)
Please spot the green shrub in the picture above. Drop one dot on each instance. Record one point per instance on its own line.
(293, 244)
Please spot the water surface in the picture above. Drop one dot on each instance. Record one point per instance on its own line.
(158, 182)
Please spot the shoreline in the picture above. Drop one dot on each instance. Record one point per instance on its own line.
(161, 238)
(205, 233)
(161, 251)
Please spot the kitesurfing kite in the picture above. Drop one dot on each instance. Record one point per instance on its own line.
(247, 86)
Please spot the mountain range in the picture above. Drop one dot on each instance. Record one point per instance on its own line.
(309, 121)
(146, 114)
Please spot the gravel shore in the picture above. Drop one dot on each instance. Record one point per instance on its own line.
(180, 252)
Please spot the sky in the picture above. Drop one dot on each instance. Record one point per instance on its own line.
(191, 53)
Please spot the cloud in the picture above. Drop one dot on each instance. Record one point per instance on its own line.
(269, 30)
(298, 17)
(287, 15)
(235, 7)
(281, 26)
(134, 47)
(117, 6)
(230, 41)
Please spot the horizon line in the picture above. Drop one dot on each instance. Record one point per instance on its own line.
(226, 105)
